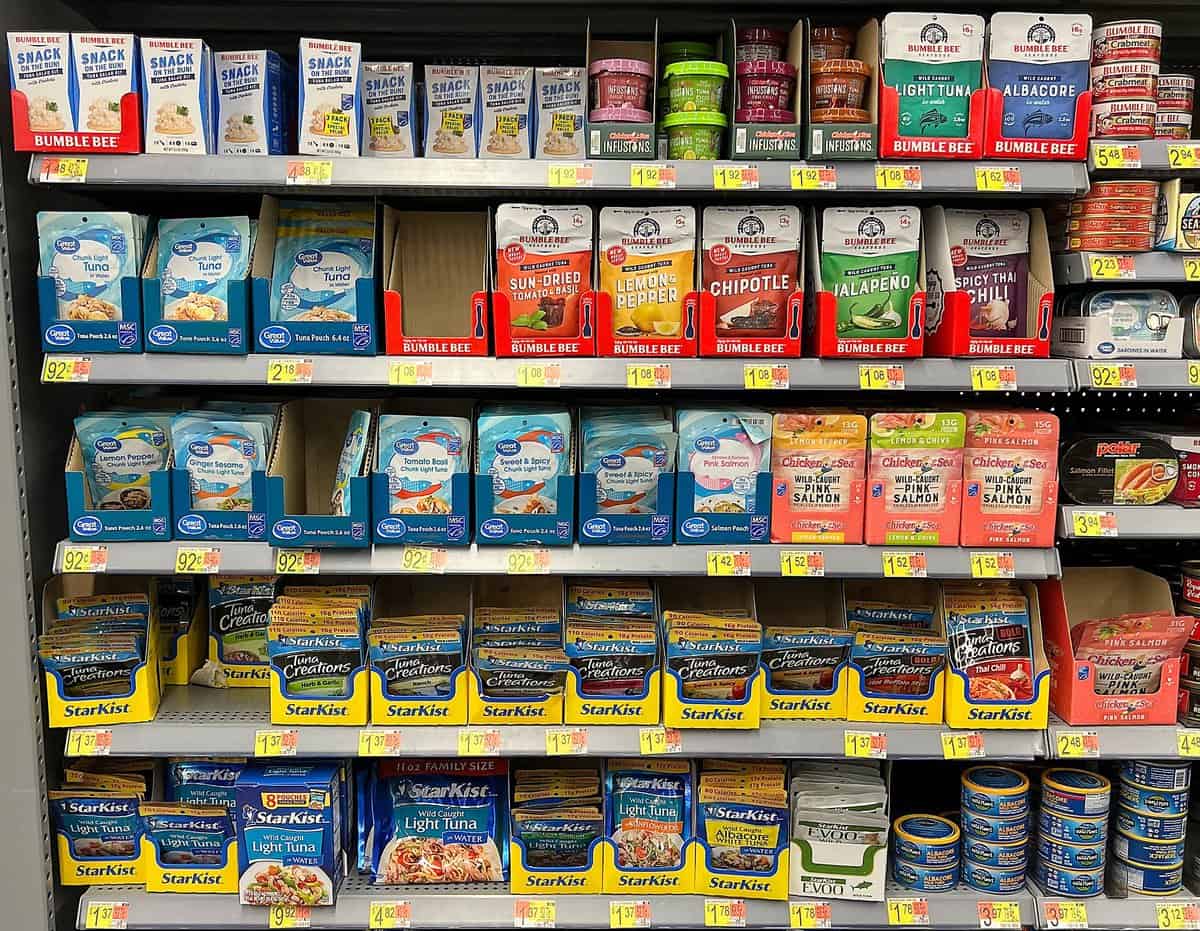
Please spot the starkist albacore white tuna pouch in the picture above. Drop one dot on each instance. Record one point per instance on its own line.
(1039, 63)
(935, 62)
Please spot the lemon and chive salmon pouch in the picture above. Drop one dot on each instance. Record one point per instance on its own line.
(647, 267)
(804, 659)
(725, 451)
(415, 661)
(238, 612)
(315, 660)
(524, 451)
(610, 598)
(322, 249)
(897, 666)
(869, 262)
(421, 456)
(206, 782)
(350, 462)
(648, 812)
(97, 825)
(612, 659)
(187, 834)
(935, 62)
(197, 261)
(219, 455)
(120, 450)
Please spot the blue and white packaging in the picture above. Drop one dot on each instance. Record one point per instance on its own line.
(1155, 827)
(926, 840)
(251, 103)
(925, 878)
(1126, 878)
(322, 250)
(1075, 792)
(1010, 856)
(993, 879)
(1153, 801)
(199, 261)
(1071, 856)
(39, 66)
(506, 99)
(389, 110)
(1145, 852)
(1073, 830)
(422, 481)
(204, 782)
(330, 106)
(1001, 830)
(1157, 775)
(452, 111)
(104, 70)
(560, 99)
(1077, 884)
(723, 482)
(177, 104)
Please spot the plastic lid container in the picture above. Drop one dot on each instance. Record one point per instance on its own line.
(630, 65)
(831, 42)
(696, 85)
(839, 83)
(763, 115)
(694, 135)
(766, 84)
(684, 50)
(620, 115)
(765, 68)
(761, 35)
(694, 67)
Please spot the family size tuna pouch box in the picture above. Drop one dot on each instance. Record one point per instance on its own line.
(935, 62)
(330, 97)
(1040, 64)
(818, 472)
(104, 73)
(388, 116)
(914, 478)
(250, 102)
(869, 261)
(39, 66)
(751, 260)
(177, 88)
(989, 250)
(543, 265)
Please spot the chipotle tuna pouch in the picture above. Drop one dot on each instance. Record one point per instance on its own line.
(1129, 469)
(543, 264)
(751, 261)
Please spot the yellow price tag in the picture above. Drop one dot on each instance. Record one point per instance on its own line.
(1193, 374)
(1111, 156)
(802, 564)
(905, 565)
(871, 745)
(106, 915)
(993, 378)
(309, 171)
(724, 913)
(289, 371)
(384, 915)
(1113, 375)
(289, 916)
(379, 742)
(962, 745)
(276, 742)
(648, 375)
(1077, 744)
(66, 369)
(423, 559)
(1061, 916)
(410, 374)
(629, 914)
(197, 560)
(995, 180)
(1183, 155)
(478, 741)
(908, 911)
(735, 178)
(897, 177)
(1112, 267)
(993, 566)
(84, 558)
(1177, 916)
(539, 375)
(535, 913)
(1191, 269)
(759, 376)
(568, 175)
(994, 916)
(1189, 742)
(805, 915)
(1094, 523)
(655, 741)
(89, 741)
(566, 741)
(57, 169)
(814, 178)
(297, 562)
(881, 377)
(728, 562)
(651, 176)
(528, 562)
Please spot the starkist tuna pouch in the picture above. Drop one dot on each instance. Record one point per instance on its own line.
(818, 470)
(1039, 63)
(934, 61)
(543, 265)
(647, 267)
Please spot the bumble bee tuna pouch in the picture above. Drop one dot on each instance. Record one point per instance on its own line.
(989, 251)
(934, 61)
(1039, 63)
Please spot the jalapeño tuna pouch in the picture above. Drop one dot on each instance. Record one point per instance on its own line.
(934, 61)
(987, 629)
(1039, 63)
(869, 261)
(751, 261)
(990, 254)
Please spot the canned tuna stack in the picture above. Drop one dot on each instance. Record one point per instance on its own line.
(1125, 62)
(1072, 827)
(1114, 216)
(995, 798)
(1148, 847)
(1189, 604)
(1173, 119)
(925, 853)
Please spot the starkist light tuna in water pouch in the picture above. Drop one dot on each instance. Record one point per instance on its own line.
(1039, 63)
(935, 62)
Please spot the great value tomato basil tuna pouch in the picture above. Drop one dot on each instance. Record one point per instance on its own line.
(989, 250)
(934, 61)
(751, 262)
(543, 265)
(1039, 63)
(987, 629)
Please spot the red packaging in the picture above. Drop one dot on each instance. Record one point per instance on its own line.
(765, 84)
(1175, 92)
(1124, 80)
(1187, 448)
(1124, 119)
(1142, 190)
(760, 43)
(620, 83)
(1110, 242)
(1117, 205)
(1127, 40)
(1110, 225)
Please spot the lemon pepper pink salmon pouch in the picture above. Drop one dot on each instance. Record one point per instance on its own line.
(818, 472)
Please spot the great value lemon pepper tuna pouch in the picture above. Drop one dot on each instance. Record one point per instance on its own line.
(647, 267)
(935, 62)
(120, 450)
(1039, 63)
(818, 471)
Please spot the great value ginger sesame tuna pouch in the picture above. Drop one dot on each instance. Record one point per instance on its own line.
(647, 266)
(1039, 63)
(869, 260)
(935, 62)
(543, 264)
(989, 250)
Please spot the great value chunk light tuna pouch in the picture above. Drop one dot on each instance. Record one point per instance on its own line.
(87, 255)
(818, 470)
(543, 265)
(989, 251)
(421, 455)
(120, 450)
(935, 62)
(751, 263)
(197, 261)
(647, 266)
(322, 248)
(914, 478)
(220, 455)
(523, 450)
(1039, 63)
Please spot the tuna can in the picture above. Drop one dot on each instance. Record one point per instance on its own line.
(1172, 124)
(1146, 880)
(995, 790)
(1154, 827)
(998, 830)
(1089, 225)
(1072, 830)
(1071, 856)
(925, 878)
(1175, 92)
(1124, 80)
(1145, 852)
(1075, 791)
(926, 840)
(1153, 801)
(1124, 119)
(1058, 880)
(1141, 190)
(1127, 40)
(991, 879)
(1115, 205)
(1012, 856)
(1191, 582)
(1191, 707)
(1157, 775)
(1110, 242)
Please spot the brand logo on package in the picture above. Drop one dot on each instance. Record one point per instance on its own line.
(646, 228)
(200, 449)
(191, 524)
(751, 226)
(60, 335)
(360, 336)
(162, 335)
(274, 337)
(706, 444)
(987, 228)
(508, 447)
(286, 529)
(66, 245)
(126, 334)
(391, 527)
(614, 461)
(1106, 348)
(308, 257)
(494, 528)
(871, 228)
(694, 527)
(256, 525)
(184, 247)
(934, 34)
(545, 225)
(406, 447)
(86, 526)
(597, 528)
(1041, 34)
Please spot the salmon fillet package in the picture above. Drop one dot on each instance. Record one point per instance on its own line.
(647, 267)
(1010, 478)
(818, 473)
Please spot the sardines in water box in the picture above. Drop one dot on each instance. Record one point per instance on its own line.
(869, 260)
(330, 97)
(818, 470)
(88, 255)
(1039, 63)
(935, 62)
(177, 104)
(322, 249)
(989, 250)
(388, 123)
(251, 111)
(421, 456)
(197, 261)
(39, 66)
(524, 451)
(104, 73)
(725, 451)
(507, 99)
(451, 111)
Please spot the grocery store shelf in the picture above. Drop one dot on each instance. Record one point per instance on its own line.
(1153, 155)
(491, 906)
(370, 175)
(1125, 742)
(1111, 914)
(193, 720)
(1150, 374)
(1075, 268)
(947, 562)
(1160, 522)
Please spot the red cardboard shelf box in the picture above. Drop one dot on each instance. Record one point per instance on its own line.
(397, 343)
(646, 347)
(510, 346)
(995, 145)
(127, 140)
(787, 346)
(893, 145)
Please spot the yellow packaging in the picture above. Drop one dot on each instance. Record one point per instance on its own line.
(418, 710)
(742, 833)
(662, 880)
(484, 710)
(185, 878)
(187, 652)
(732, 701)
(876, 657)
(647, 267)
(121, 865)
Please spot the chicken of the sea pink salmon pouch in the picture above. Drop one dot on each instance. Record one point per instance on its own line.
(1128, 651)
(818, 470)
